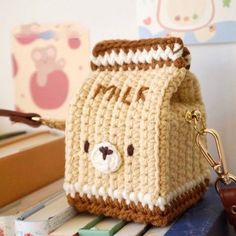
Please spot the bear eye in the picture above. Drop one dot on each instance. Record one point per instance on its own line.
(130, 150)
(86, 146)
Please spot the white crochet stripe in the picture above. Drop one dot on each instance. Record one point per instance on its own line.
(160, 202)
(138, 56)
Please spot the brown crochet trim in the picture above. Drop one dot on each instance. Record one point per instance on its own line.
(126, 45)
(138, 213)
(179, 63)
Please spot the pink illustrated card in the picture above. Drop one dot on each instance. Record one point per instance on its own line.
(50, 63)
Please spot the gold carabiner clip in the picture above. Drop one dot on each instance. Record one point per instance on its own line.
(219, 166)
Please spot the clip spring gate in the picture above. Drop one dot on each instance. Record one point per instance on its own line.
(219, 166)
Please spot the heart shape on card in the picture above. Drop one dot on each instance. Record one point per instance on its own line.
(147, 21)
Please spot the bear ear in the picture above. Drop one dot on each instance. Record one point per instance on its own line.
(51, 51)
(36, 54)
(130, 150)
(86, 146)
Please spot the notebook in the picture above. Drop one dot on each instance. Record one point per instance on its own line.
(45, 217)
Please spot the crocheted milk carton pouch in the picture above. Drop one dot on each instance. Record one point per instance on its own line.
(130, 153)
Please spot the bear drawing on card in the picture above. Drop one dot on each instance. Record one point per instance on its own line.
(49, 83)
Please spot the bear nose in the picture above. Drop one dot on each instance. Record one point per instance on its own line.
(105, 151)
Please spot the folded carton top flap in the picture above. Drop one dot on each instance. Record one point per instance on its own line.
(115, 54)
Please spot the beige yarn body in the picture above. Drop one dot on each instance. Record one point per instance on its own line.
(165, 165)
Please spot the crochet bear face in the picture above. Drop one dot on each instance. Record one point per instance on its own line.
(105, 157)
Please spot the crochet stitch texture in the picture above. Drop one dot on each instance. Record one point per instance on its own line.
(130, 153)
